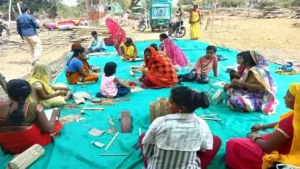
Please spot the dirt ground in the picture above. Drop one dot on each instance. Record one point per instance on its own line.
(277, 39)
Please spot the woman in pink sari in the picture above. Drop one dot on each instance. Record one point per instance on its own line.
(173, 51)
(117, 33)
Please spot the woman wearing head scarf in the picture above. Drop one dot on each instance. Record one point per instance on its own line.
(255, 90)
(42, 92)
(159, 72)
(174, 52)
(195, 21)
(280, 146)
(24, 124)
(71, 53)
(117, 33)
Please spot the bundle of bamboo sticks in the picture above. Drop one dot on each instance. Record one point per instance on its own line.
(25, 159)
(158, 108)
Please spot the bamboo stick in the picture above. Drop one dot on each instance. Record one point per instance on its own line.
(83, 83)
(114, 154)
(112, 140)
(92, 108)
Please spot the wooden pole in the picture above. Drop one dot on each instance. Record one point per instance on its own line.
(212, 26)
(19, 8)
(9, 13)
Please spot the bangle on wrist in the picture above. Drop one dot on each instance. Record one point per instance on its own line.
(257, 138)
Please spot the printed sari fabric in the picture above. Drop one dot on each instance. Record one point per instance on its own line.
(117, 33)
(195, 27)
(41, 79)
(243, 99)
(74, 77)
(242, 153)
(161, 72)
(175, 53)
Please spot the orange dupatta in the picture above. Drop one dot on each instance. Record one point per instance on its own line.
(293, 157)
(160, 69)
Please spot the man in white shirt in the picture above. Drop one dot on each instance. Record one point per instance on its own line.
(97, 43)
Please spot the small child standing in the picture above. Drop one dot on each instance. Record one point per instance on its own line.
(111, 86)
(180, 139)
(240, 69)
(128, 50)
(203, 67)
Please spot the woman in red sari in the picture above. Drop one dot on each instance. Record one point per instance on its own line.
(117, 33)
(280, 146)
(24, 124)
(159, 72)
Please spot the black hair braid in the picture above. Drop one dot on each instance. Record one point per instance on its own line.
(17, 116)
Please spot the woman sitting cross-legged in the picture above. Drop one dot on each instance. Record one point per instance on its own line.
(180, 139)
(255, 90)
(159, 71)
(24, 124)
(71, 53)
(280, 146)
(78, 69)
(111, 86)
(42, 92)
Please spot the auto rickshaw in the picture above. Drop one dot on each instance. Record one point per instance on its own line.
(160, 14)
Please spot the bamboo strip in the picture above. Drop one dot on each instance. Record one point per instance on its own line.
(92, 108)
(82, 83)
(112, 140)
(114, 154)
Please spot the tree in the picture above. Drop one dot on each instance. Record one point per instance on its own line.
(133, 3)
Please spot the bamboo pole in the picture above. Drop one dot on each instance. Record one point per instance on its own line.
(19, 7)
(212, 26)
(9, 13)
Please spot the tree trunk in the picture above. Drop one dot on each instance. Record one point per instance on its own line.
(133, 3)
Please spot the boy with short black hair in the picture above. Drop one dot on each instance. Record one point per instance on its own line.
(97, 43)
(203, 67)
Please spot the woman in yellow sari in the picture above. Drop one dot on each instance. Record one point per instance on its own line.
(281, 147)
(42, 92)
(195, 21)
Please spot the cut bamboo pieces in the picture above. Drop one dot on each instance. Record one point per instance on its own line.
(104, 101)
(25, 159)
(217, 97)
(158, 108)
(69, 119)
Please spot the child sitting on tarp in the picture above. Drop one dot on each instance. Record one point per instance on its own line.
(203, 67)
(180, 139)
(128, 50)
(97, 43)
(111, 86)
(240, 69)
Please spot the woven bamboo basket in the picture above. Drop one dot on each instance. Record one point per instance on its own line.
(25, 159)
